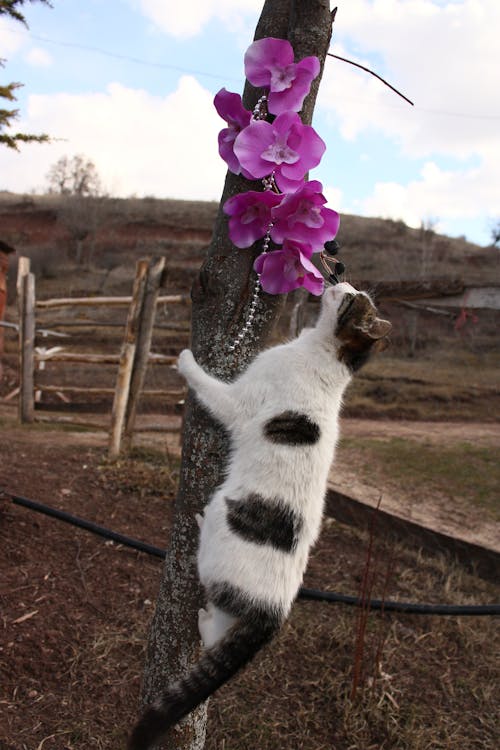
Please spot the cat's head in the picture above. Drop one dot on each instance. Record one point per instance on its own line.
(350, 318)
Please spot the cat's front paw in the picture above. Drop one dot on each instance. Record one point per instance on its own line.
(185, 362)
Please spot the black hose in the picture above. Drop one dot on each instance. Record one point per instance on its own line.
(311, 594)
(382, 605)
(82, 523)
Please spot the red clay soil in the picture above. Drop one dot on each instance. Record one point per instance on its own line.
(75, 612)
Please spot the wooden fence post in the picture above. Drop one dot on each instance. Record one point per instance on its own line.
(132, 360)
(143, 344)
(26, 302)
(127, 359)
(23, 268)
(5, 251)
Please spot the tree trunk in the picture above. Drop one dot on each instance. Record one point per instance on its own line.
(221, 296)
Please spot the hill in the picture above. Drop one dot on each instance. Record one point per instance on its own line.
(443, 362)
(112, 232)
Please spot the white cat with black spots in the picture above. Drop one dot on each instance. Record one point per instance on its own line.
(257, 529)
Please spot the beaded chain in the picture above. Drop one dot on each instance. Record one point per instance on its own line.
(259, 113)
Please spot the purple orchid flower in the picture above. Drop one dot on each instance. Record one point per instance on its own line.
(284, 270)
(302, 216)
(270, 63)
(231, 109)
(250, 214)
(286, 147)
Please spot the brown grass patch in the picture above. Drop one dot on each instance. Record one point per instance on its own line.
(75, 613)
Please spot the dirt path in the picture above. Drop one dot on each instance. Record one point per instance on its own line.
(447, 514)
(444, 433)
(451, 516)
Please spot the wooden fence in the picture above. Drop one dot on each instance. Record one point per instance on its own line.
(132, 361)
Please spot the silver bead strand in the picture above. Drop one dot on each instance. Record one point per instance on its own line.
(260, 109)
(259, 113)
(255, 298)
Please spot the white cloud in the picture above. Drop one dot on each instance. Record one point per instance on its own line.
(11, 40)
(182, 19)
(141, 144)
(441, 194)
(444, 56)
(334, 197)
(39, 58)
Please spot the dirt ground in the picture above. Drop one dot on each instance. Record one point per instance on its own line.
(75, 612)
(450, 514)
(453, 517)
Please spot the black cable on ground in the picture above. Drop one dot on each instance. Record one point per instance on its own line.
(311, 594)
(82, 523)
(402, 607)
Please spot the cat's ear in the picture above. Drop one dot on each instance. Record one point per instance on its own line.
(375, 329)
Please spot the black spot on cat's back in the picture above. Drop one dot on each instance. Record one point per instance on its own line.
(262, 521)
(292, 428)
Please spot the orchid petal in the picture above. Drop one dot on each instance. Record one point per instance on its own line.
(302, 216)
(286, 147)
(251, 143)
(265, 56)
(250, 216)
(230, 108)
(292, 97)
(281, 271)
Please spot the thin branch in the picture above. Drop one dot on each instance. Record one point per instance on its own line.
(367, 70)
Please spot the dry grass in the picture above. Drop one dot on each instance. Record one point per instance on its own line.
(461, 472)
(442, 384)
(69, 675)
(145, 472)
(426, 681)
(377, 249)
(373, 249)
(454, 364)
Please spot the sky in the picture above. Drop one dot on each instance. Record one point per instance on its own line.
(130, 85)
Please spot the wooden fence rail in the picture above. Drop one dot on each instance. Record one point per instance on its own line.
(153, 392)
(132, 361)
(99, 359)
(168, 299)
(176, 327)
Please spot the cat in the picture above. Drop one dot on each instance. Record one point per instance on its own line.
(258, 527)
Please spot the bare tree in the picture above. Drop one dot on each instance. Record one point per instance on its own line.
(74, 176)
(221, 297)
(495, 234)
(83, 204)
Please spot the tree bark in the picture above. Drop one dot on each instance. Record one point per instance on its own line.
(221, 296)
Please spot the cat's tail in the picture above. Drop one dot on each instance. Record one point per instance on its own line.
(216, 666)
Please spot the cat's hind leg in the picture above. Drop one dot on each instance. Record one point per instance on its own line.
(213, 624)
